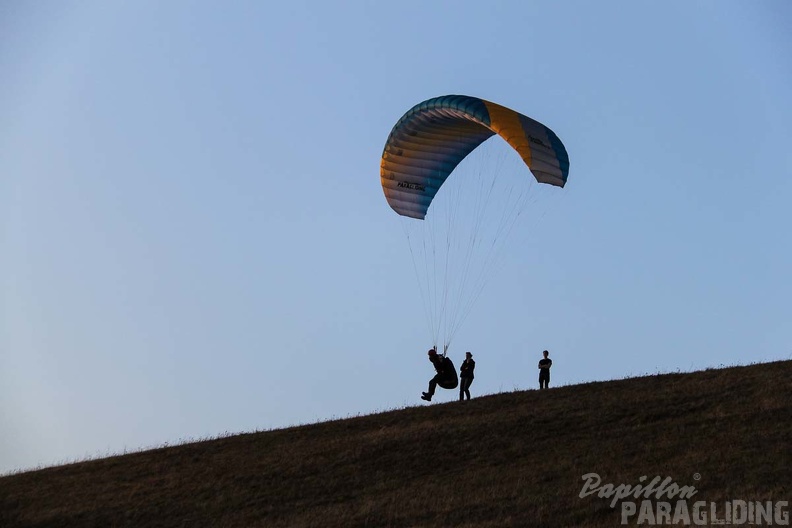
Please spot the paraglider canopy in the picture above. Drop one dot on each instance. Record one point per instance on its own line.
(430, 140)
(456, 247)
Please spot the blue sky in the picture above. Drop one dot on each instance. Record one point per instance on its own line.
(194, 239)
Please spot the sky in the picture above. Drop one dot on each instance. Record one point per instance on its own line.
(194, 240)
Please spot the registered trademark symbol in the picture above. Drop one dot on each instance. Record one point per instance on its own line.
(696, 476)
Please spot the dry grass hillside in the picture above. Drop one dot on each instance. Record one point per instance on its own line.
(514, 459)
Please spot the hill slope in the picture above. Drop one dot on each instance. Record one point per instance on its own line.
(514, 459)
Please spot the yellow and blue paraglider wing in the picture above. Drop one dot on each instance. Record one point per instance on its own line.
(433, 137)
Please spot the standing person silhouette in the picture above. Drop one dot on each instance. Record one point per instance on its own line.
(466, 375)
(544, 370)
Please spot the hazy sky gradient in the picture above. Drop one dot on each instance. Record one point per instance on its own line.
(194, 239)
